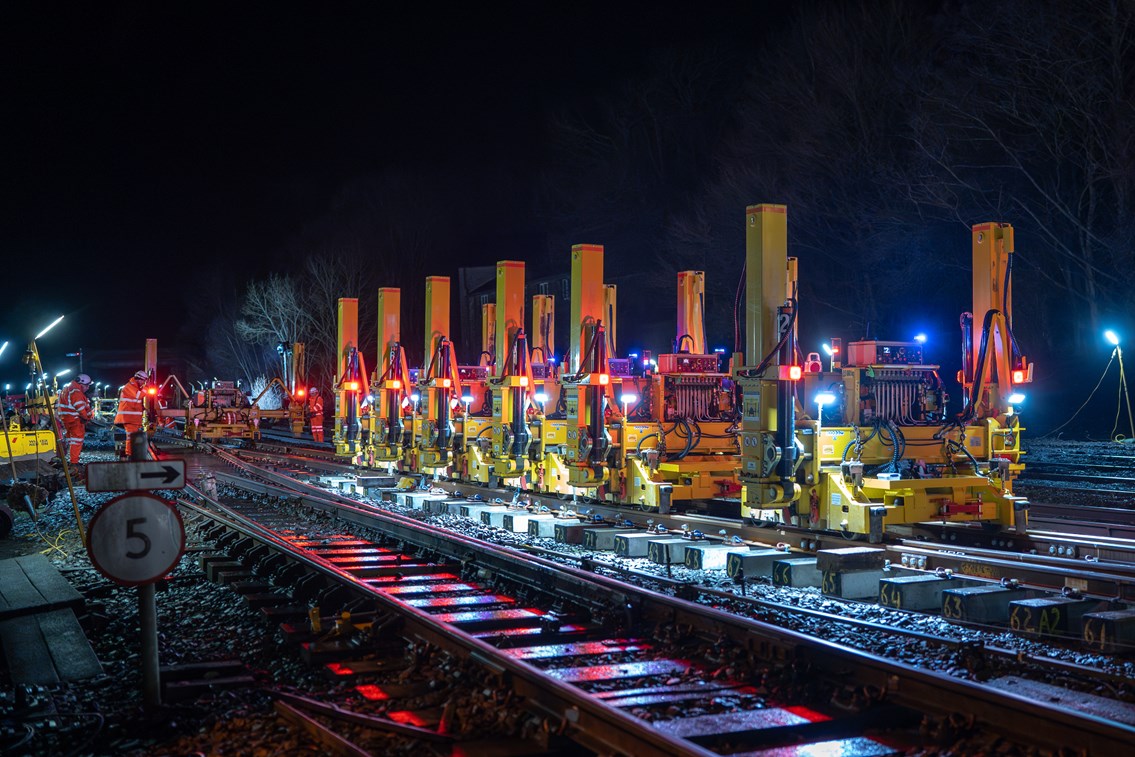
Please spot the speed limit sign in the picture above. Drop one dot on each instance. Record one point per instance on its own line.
(136, 539)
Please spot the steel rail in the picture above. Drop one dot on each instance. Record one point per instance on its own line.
(1022, 718)
(596, 724)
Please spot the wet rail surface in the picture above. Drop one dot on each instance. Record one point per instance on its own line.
(567, 652)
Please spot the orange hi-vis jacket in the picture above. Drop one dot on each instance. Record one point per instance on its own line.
(73, 404)
(317, 407)
(130, 405)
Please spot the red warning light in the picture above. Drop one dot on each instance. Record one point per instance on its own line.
(1019, 376)
(353, 386)
(604, 379)
(524, 381)
(300, 392)
(795, 372)
(395, 384)
(151, 390)
(446, 383)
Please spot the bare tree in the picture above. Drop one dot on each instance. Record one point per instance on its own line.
(1034, 126)
(272, 311)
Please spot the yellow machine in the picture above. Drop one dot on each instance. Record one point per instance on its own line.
(512, 389)
(585, 388)
(678, 439)
(385, 430)
(891, 454)
(222, 409)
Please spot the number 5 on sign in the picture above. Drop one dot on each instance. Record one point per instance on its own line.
(136, 539)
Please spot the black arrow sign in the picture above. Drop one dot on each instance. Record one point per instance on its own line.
(168, 476)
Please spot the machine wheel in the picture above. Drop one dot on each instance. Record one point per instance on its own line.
(7, 517)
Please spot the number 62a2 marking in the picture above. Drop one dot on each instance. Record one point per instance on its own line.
(133, 533)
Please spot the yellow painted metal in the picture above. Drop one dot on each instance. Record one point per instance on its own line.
(435, 423)
(790, 291)
(588, 308)
(587, 295)
(767, 274)
(509, 306)
(437, 314)
(542, 334)
(347, 339)
(610, 317)
(389, 325)
(150, 403)
(388, 391)
(297, 404)
(766, 256)
(150, 364)
(992, 245)
(510, 392)
(691, 312)
(488, 333)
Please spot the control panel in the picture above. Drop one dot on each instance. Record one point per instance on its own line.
(687, 363)
(884, 353)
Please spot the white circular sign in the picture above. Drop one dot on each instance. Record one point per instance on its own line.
(136, 539)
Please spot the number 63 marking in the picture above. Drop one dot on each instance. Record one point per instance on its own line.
(131, 533)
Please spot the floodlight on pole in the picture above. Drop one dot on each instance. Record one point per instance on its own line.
(49, 328)
(1016, 398)
(920, 338)
(1124, 397)
(62, 373)
(3, 347)
(821, 399)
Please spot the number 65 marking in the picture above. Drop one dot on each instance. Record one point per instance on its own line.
(131, 533)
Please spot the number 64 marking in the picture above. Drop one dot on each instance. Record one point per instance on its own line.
(131, 533)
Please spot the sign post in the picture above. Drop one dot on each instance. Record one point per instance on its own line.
(136, 539)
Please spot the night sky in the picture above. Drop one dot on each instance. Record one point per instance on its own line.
(159, 157)
(146, 144)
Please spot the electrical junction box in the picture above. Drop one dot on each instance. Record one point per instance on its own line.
(884, 353)
(687, 363)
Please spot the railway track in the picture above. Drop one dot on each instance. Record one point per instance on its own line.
(613, 607)
(966, 551)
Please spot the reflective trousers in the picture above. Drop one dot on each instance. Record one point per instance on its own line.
(73, 432)
(317, 427)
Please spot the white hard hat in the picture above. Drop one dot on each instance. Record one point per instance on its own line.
(83, 379)
(142, 376)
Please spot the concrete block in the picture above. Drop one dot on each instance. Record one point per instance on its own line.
(850, 558)
(417, 500)
(754, 562)
(542, 527)
(851, 584)
(473, 510)
(1050, 616)
(603, 538)
(987, 603)
(796, 572)
(633, 544)
(528, 519)
(375, 482)
(494, 515)
(570, 531)
(439, 506)
(1110, 631)
(708, 556)
(517, 521)
(667, 550)
(918, 592)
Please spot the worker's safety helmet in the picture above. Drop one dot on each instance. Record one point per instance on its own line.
(142, 376)
(83, 379)
(314, 390)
